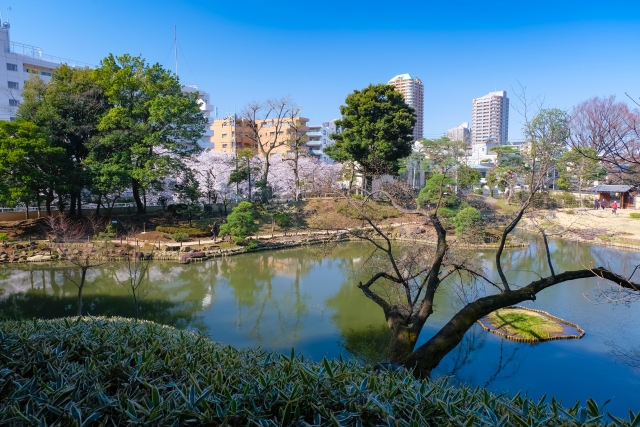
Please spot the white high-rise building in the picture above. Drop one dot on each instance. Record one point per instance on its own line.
(413, 90)
(490, 119)
(205, 106)
(318, 139)
(460, 133)
(18, 63)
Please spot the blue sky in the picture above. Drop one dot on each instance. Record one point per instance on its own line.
(317, 52)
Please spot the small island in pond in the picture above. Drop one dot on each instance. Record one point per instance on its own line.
(523, 324)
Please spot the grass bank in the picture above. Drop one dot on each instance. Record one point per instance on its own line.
(101, 371)
(525, 324)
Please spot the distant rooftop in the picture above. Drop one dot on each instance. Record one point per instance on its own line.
(496, 93)
(403, 77)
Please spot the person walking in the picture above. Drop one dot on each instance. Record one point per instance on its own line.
(614, 207)
(603, 204)
(596, 204)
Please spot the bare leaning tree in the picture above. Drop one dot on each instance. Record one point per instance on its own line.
(406, 284)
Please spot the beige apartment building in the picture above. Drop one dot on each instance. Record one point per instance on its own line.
(413, 90)
(233, 133)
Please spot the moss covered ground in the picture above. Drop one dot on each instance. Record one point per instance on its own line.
(524, 324)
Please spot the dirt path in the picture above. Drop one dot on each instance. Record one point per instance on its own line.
(599, 223)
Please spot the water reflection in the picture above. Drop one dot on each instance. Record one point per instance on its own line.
(308, 299)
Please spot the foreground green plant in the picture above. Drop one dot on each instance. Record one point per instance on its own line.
(99, 371)
(635, 215)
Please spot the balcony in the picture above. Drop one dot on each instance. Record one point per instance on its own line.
(36, 53)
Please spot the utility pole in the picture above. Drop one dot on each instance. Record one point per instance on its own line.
(175, 45)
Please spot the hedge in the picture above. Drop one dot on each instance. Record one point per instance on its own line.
(192, 232)
(101, 371)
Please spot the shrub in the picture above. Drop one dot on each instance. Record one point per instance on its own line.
(91, 371)
(570, 211)
(240, 222)
(282, 219)
(430, 193)
(446, 213)
(4, 238)
(635, 215)
(467, 221)
(191, 232)
(180, 237)
(478, 191)
(357, 196)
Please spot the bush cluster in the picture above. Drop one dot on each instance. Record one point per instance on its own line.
(180, 237)
(191, 232)
(635, 215)
(99, 371)
(467, 222)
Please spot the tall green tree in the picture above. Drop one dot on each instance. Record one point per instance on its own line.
(67, 111)
(151, 126)
(29, 164)
(376, 130)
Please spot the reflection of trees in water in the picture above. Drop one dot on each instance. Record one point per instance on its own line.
(629, 357)
(503, 366)
(251, 278)
(370, 345)
(47, 295)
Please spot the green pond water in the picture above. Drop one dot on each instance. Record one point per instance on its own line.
(308, 298)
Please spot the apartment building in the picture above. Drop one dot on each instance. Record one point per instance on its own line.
(18, 63)
(204, 101)
(460, 133)
(490, 119)
(413, 90)
(318, 138)
(232, 133)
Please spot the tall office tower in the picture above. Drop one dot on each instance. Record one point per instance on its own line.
(490, 119)
(460, 133)
(413, 91)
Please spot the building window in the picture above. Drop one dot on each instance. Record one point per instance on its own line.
(12, 119)
(12, 67)
(213, 132)
(45, 73)
(224, 145)
(224, 135)
(224, 124)
(13, 102)
(272, 133)
(12, 85)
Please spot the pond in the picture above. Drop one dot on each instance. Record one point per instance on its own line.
(307, 298)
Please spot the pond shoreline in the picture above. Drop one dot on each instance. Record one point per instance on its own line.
(571, 237)
(207, 249)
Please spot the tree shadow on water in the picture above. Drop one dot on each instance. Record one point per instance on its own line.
(34, 304)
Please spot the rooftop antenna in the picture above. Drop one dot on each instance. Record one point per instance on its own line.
(175, 45)
(8, 10)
